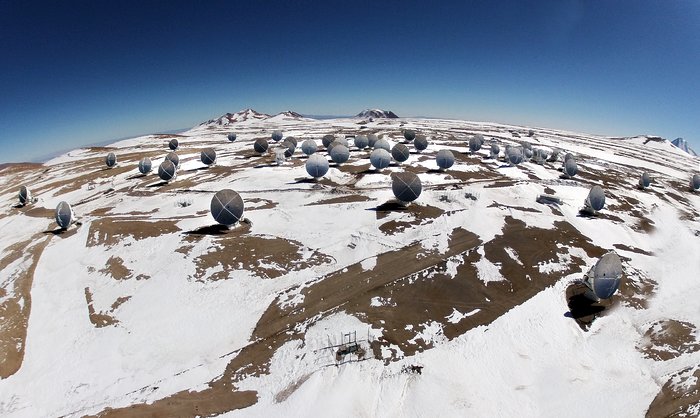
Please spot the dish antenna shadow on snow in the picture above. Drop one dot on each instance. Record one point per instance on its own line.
(583, 309)
(306, 180)
(64, 233)
(136, 176)
(160, 183)
(265, 165)
(216, 229)
(389, 206)
(191, 170)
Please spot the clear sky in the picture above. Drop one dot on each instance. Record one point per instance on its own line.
(75, 73)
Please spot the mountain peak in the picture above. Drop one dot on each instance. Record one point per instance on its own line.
(377, 113)
(240, 116)
(290, 114)
(683, 145)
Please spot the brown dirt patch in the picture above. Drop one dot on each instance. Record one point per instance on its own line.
(215, 400)
(266, 204)
(632, 249)
(115, 267)
(636, 288)
(39, 212)
(14, 311)
(267, 257)
(678, 397)
(422, 215)
(668, 339)
(353, 198)
(98, 319)
(110, 231)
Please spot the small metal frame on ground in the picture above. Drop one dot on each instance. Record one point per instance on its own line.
(349, 346)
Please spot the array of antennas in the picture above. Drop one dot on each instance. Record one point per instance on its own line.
(227, 206)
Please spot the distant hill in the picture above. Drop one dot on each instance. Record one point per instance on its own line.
(683, 144)
(377, 113)
(229, 118)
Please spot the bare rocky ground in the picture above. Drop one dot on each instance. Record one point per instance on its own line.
(535, 247)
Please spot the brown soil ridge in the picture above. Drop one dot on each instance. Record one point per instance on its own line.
(431, 295)
(673, 401)
(668, 339)
(278, 326)
(15, 316)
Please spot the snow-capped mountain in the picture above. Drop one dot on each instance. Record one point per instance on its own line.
(286, 117)
(376, 113)
(241, 116)
(291, 114)
(683, 144)
(332, 296)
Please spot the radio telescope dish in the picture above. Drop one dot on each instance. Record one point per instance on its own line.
(342, 141)
(409, 135)
(553, 156)
(475, 143)
(289, 147)
(145, 165)
(111, 160)
(167, 170)
(361, 141)
(276, 136)
(539, 155)
(327, 140)
(260, 145)
(494, 151)
(317, 166)
(514, 155)
(173, 158)
(231, 137)
(400, 153)
(644, 180)
(382, 144)
(308, 147)
(25, 196)
(568, 156)
(406, 186)
(173, 144)
(444, 159)
(603, 279)
(292, 140)
(595, 200)
(380, 158)
(340, 153)
(226, 207)
(64, 215)
(208, 156)
(695, 182)
(570, 168)
(528, 153)
(421, 142)
(330, 146)
(371, 140)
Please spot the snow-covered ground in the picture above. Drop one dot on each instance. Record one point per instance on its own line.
(142, 304)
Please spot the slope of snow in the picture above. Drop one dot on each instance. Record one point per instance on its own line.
(179, 328)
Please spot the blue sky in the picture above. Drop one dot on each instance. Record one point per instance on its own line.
(76, 73)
